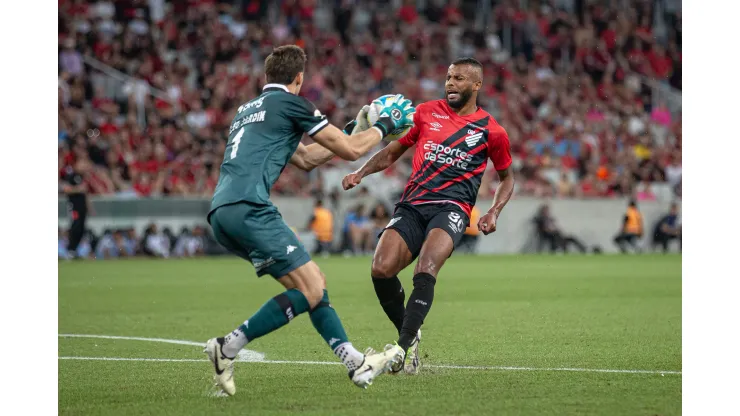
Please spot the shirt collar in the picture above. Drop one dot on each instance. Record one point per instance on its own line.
(275, 86)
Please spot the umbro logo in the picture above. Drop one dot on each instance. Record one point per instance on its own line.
(435, 126)
(473, 138)
(291, 249)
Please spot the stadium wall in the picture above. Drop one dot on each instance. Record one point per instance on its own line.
(595, 222)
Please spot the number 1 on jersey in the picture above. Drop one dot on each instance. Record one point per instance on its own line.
(235, 142)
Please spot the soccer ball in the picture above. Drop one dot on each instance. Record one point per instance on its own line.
(372, 116)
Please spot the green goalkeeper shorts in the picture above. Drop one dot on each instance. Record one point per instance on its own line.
(258, 234)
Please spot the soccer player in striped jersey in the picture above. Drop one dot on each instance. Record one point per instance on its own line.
(455, 139)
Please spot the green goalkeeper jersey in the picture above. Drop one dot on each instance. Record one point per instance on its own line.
(263, 136)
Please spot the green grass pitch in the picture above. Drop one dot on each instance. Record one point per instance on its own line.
(541, 314)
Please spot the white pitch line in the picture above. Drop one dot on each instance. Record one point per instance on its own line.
(244, 355)
(453, 367)
(258, 357)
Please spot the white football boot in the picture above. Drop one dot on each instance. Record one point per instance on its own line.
(375, 363)
(223, 366)
(411, 361)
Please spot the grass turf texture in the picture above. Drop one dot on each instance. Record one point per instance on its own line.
(599, 312)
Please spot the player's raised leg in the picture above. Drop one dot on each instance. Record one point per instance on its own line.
(391, 256)
(436, 250)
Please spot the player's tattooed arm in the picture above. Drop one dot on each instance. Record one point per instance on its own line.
(487, 223)
(308, 157)
(378, 162)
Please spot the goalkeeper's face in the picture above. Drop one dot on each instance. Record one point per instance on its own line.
(463, 83)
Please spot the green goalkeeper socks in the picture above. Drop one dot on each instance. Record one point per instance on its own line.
(275, 313)
(326, 321)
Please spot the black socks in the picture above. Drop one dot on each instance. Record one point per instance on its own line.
(417, 308)
(391, 296)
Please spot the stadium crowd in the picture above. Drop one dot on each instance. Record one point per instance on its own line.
(153, 242)
(565, 78)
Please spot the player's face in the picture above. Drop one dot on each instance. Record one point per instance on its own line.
(462, 82)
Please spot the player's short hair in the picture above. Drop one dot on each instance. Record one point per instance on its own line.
(467, 61)
(284, 64)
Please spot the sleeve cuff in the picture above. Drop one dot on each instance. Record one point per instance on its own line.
(317, 128)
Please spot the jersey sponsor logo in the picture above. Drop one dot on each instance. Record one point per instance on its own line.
(257, 117)
(290, 249)
(440, 116)
(456, 222)
(435, 126)
(473, 137)
(437, 152)
(252, 104)
(393, 221)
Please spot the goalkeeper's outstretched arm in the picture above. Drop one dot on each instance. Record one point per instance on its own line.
(307, 157)
(378, 162)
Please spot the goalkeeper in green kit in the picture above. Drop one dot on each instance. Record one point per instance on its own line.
(264, 137)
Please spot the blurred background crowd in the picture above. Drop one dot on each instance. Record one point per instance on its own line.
(588, 90)
(153, 242)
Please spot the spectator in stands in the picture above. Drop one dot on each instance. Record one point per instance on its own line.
(469, 240)
(190, 244)
(155, 243)
(549, 232)
(321, 224)
(379, 218)
(631, 230)
(667, 229)
(106, 247)
(62, 243)
(358, 231)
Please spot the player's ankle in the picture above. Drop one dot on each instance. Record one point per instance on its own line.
(349, 355)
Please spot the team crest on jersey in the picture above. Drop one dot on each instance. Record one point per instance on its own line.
(473, 137)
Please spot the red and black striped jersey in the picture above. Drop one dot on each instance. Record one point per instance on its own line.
(452, 153)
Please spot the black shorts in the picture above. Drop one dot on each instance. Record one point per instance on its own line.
(414, 222)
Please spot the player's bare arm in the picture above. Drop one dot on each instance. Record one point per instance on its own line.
(348, 147)
(308, 157)
(487, 223)
(378, 162)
